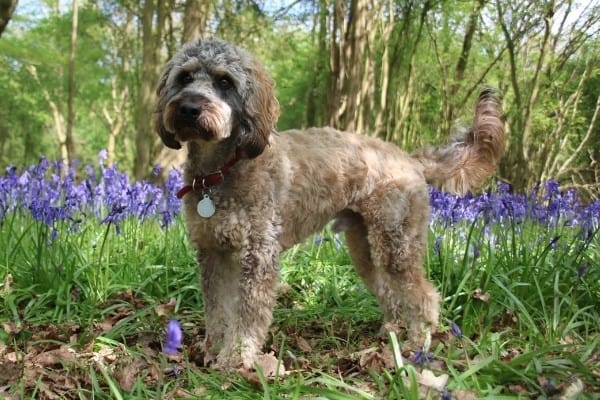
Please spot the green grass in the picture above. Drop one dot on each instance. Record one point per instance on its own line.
(83, 316)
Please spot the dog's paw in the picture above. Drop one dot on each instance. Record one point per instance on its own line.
(387, 327)
(419, 337)
(234, 358)
(227, 362)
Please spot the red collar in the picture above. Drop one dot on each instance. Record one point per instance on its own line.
(212, 179)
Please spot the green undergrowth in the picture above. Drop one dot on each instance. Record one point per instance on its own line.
(526, 300)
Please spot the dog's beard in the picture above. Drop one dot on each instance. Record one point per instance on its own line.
(215, 121)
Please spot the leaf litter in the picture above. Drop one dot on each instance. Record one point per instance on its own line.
(55, 361)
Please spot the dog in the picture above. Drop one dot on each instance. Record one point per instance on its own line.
(251, 193)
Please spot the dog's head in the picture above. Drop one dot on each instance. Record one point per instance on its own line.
(212, 90)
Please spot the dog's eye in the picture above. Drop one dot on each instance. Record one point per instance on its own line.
(225, 82)
(185, 78)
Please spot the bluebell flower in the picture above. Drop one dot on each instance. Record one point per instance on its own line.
(102, 156)
(445, 395)
(455, 330)
(421, 357)
(156, 168)
(503, 187)
(174, 338)
(549, 388)
(552, 188)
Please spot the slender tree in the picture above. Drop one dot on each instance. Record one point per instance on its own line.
(7, 7)
(69, 140)
(153, 17)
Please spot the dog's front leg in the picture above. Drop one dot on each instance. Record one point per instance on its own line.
(219, 274)
(259, 275)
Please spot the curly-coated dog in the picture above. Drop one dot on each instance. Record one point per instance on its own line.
(251, 193)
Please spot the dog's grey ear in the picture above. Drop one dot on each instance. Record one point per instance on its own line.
(261, 110)
(167, 137)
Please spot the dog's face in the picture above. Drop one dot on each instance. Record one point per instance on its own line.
(211, 91)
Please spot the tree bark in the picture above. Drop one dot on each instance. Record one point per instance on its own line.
(57, 115)
(69, 140)
(7, 8)
(153, 18)
(352, 73)
(314, 96)
(194, 19)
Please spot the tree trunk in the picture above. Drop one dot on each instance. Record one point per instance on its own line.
(151, 45)
(194, 19)
(69, 141)
(314, 96)
(57, 115)
(351, 67)
(403, 73)
(7, 7)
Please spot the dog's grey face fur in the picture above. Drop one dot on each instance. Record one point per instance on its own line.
(209, 92)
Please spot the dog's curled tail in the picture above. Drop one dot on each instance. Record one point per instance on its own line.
(467, 161)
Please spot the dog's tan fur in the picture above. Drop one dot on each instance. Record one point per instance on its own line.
(288, 185)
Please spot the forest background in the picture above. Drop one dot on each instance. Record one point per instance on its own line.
(79, 76)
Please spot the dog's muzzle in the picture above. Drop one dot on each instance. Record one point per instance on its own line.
(191, 120)
(189, 111)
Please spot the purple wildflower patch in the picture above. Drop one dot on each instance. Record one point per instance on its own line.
(54, 193)
(51, 193)
(552, 208)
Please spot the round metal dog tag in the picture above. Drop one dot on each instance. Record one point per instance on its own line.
(206, 207)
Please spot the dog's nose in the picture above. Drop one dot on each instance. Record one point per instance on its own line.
(190, 110)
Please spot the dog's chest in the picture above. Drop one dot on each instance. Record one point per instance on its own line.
(230, 227)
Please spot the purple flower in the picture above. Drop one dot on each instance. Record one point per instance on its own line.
(156, 168)
(174, 338)
(102, 156)
(503, 187)
(455, 330)
(549, 388)
(445, 395)
(421, 357)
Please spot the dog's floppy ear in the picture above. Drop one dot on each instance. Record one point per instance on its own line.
(261, 110)
(167, 137)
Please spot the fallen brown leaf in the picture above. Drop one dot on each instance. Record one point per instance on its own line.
(130, 373)
(12, 328)
(270, 365)
(303, 344)
(461, 394)
(372, 360)
(479, 295)
(428, 379)
(166, 309)
(62, 355)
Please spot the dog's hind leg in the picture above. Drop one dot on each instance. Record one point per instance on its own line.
(219, 275)
(395, 217)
